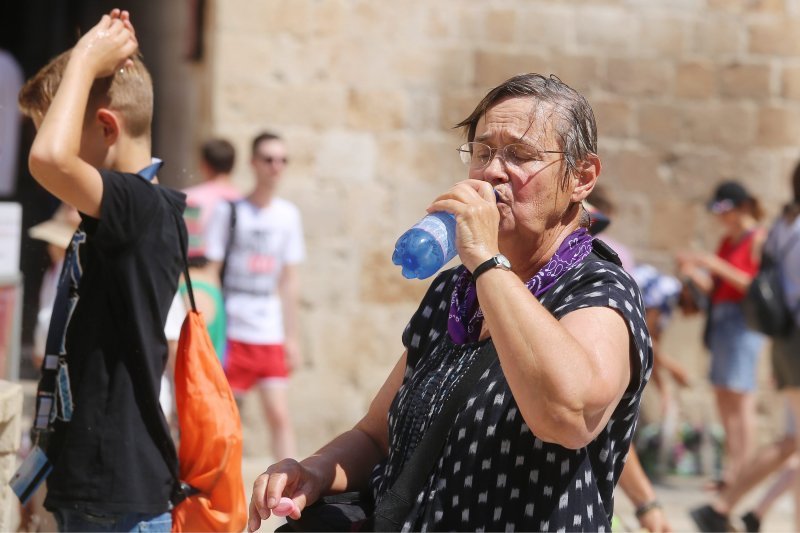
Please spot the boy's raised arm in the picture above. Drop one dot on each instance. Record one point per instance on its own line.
(57, 160)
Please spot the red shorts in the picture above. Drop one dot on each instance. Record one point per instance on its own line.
(248, 364)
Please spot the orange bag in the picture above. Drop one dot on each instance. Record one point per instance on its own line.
(210, 450)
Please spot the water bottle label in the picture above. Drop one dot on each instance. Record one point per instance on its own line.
(442, 226)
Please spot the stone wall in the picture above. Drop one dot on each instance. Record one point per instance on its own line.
(686, 93)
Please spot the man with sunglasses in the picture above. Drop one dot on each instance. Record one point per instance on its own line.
(259, 240)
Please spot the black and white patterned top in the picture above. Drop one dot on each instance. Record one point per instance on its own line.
(494, 474)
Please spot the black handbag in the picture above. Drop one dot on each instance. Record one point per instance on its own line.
(353, 511)
(348, 511)
(764, 305)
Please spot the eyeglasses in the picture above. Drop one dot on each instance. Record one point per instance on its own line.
(478, 155)
(268, 159)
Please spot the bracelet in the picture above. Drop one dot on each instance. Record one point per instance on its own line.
(647, 507)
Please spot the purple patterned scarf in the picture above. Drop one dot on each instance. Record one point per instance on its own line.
(465, 319)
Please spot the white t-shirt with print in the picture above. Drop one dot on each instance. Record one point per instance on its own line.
(265, 240)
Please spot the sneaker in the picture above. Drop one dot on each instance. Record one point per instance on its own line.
(752, 524)
(710, 521)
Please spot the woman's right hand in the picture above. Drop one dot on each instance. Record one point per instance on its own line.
(286, 478)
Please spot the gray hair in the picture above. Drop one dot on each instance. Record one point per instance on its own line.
(576, 128)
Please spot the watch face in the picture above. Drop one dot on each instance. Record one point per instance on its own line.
(503, 261)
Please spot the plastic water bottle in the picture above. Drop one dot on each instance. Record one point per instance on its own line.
(427, 246)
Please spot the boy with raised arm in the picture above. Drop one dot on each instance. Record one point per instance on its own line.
(97, 411)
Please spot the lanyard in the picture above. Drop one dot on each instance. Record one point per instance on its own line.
(54, 394)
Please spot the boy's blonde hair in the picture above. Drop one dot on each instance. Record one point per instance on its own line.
(128, 91)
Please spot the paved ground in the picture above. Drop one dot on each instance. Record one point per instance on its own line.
(678, 494)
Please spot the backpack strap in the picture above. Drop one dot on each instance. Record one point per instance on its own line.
(229, 244)
(181, 490)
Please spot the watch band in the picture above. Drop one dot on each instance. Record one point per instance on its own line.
(498, 261)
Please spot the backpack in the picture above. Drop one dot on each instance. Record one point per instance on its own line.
(211, 494)
(765, 308)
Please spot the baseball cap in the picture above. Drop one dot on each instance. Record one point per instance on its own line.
(729, 195)
(59, 228)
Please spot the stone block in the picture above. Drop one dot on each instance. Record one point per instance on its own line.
(614, 117)
(775, 36)
(494, 67)
(663, 35)
(502, 24)
(430, 161)
(631, 217)
(424, 110)
(790, 82)
(364, 62)
(547, 25)
(365, 209)
(686, 7)
(328, 18)
(442, 67)
(749, 6)
(671, 212)
(632, 170)
(241, 16)
(376, 110)
(290, 17)
(456, 105)
(640, 77)
(746, 81)
(717, 35)
(441, 23)
(346, 157)
(582, 73)
(719, 124)
(607, 30)
(696, 173)
(695, 79)
(778, 126)
(659, 124)
(393, 22)
(282, 106)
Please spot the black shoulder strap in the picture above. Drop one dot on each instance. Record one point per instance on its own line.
(603, 251)
(229, 244)
(393, 508)
(181, 490)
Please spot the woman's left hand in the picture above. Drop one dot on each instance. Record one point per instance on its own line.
(477, 220)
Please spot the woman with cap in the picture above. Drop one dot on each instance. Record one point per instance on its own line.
(783, 246)
(725, 276)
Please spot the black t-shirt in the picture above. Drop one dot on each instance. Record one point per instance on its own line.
(494, 473)
(110, 456)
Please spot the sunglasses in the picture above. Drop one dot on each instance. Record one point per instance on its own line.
(268, 159)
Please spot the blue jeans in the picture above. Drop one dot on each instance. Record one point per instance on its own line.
(72, 520)
(734, 349)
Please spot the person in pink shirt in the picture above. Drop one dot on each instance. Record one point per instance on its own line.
(217, 159)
